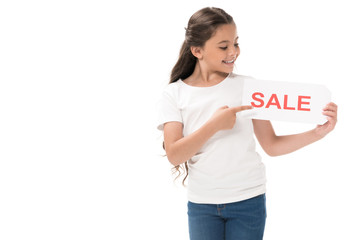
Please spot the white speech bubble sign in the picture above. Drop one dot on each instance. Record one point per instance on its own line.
(285, 101)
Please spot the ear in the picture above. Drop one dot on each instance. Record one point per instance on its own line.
(197, 52)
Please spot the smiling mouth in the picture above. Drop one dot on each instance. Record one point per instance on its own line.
(231, 61)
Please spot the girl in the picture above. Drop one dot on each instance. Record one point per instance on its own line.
(226, 185)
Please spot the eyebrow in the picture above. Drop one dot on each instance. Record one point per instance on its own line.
(226, 41)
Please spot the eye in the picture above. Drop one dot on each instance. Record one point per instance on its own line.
(223, 48)
(236, 44)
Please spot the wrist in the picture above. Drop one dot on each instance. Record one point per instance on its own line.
(211, 127)
(318, 134)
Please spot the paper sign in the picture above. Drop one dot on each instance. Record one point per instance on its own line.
(285, 101)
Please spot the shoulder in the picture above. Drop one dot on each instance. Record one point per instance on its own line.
(172, 86)
(172, 90)
(240, 77)
(237, 81)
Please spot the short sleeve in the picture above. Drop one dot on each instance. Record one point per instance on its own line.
(168, 111)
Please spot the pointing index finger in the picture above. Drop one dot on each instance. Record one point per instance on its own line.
(241, 108)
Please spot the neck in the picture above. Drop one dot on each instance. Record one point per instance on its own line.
(203, 75)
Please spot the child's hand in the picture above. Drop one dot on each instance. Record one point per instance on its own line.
(225, 117)
(330, 111)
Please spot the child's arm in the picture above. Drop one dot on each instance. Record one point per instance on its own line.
(275, 145)
(179, 149)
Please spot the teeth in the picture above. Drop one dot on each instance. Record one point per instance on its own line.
(229, 61)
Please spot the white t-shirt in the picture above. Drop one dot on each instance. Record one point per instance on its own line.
(227, 168)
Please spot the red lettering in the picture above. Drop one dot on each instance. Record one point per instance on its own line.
(257, 99)
(300, 102)
(286, 103)
(275, 103)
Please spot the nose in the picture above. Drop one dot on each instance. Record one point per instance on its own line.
(233, 52)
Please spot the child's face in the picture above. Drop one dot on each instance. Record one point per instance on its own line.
(221, 50)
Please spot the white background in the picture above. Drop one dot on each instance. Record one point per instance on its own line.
(80, 156)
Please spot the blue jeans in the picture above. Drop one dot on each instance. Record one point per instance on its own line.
(244, 220)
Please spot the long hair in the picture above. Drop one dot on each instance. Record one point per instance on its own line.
(201, 27)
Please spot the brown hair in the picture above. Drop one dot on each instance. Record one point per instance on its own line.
(201, 27)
